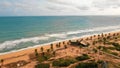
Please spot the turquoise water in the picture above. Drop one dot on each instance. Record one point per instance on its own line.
(22, 32)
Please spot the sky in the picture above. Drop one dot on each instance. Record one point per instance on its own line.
(59, 7)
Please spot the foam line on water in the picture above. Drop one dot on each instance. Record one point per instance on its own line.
(57, 42)
(13, 43)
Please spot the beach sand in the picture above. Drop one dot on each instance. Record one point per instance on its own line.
(24, 54)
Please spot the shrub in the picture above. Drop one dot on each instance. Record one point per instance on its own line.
(43, 65)
(114, 53)
(100, 61)
(105, 49)
(44, 57)
(83, 57)
(95, 50)
(117, 46)
(87, 65)
(111, 48)
(63, 62)
(99, 47)
(41, 59)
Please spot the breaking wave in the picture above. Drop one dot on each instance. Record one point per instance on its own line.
(64, 35)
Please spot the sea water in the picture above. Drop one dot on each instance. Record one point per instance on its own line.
(28, 31)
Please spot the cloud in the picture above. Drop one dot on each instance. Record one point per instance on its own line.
(83, 7)
(69, 4)
(59, 7)
(106, 3)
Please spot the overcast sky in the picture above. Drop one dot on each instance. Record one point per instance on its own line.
(59, 7)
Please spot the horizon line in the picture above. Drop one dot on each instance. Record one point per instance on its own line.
(57, 15)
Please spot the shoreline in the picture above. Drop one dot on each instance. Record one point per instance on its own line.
(23, 54)
(54, 42)
(99, 32)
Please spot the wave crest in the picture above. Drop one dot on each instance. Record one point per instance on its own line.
(13, 43)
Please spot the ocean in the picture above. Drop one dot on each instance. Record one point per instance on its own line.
(28, 31)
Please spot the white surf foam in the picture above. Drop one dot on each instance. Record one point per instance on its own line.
(94, 29)
(13, 43)
(87, 35)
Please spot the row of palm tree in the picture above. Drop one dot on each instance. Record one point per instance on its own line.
(51, 48)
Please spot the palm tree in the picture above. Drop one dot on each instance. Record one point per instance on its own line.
(87, 38)
(102, 35)
(94, 35)
(1, 62)
(91, 38)
(69, 41)
(63, 42)
(109, 34)
(41, 49)
(57, 45)
(117, 34)
(48, 50)
(36, 53)
(105, 35)
(65, 46)
(51, 47)
(98, 35)
(54, 53)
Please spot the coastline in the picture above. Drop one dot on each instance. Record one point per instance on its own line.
(23, 53)
(85, 32)
(40, 45)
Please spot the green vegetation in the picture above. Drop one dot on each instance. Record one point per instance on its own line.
(111, 48)
(99, 47)
(95, 50)
(36, 53)
(63, 42)
(43, 65)
(1, 61)
(63, 62)
(44, 57)
(51, 46)
(107, 49)
(41, 49)
(54, 53)
(114, 53)
(48, 50)
(100, 61)
(104, 48)
(65, 46)
(87, 65)
(117, 46)
(83, 57)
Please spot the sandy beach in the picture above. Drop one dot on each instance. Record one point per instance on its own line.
(24, 55)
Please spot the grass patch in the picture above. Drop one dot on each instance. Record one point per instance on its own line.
(114, 53)
(83, 57)
(43, 65)
(117, 46)
(63, 62)
(87, 65)
(44, 57)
